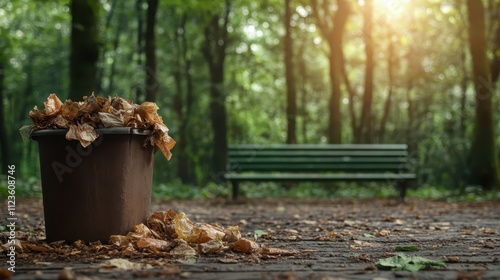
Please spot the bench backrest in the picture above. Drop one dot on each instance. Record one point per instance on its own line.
(313, 158)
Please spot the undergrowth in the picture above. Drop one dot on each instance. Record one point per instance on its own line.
(31, 187)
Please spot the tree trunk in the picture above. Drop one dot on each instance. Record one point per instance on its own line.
(332, 24)
(140, 35)
(352, 97)
(483, 164)
(463, 95)
(214, 52)
(116, 41)
(390, 76)
(101, 68)
(291, 108)
(366, 123)
(84, 48)
(495, 63)
(303, 99)
(182, 108)
(182, 163)
(151, 76)
(4, 144)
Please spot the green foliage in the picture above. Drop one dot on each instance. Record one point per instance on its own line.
(24, 188)
(408, 263)
(180, 191)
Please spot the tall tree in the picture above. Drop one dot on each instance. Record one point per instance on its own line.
(291, 108)
(151, 75)
(391, 63)
(183, 98)
(332, 24)
(140, 48)
(4, 144)
(366, 123)
(84, 48)
(214, 52)
(483, 164)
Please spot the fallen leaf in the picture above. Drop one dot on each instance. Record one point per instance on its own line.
(232, 233)
(183, 250)
(408, 263)
(384, 232)
(278, 251)
(42, 248)
(195, 233)
(154, 245)
(119, 240)
(211, 247)
(259, 233)
(124, 264)
(245, 246)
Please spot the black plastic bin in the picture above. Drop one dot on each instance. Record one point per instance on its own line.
(94, 192)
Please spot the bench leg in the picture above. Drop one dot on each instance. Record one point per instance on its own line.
(236, 189)
(402, 191)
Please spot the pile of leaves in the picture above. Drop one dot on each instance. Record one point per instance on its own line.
(173, 233)
(82, 118)
(165, 234)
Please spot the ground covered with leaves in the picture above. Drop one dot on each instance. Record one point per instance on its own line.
(275, 239)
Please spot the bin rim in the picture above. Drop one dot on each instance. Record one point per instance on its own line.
(105, 130)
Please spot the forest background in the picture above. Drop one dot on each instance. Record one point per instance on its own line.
(420, 72)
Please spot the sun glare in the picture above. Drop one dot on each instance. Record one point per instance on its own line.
(391, 6)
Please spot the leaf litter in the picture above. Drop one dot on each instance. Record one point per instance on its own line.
(166, 234)
(83, 117)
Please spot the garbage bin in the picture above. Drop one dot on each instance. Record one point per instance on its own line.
(94, 192)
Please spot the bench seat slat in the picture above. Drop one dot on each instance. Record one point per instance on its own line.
(329, 147)
(319, 167)
(252, 154)
(291, 160)
(319, 177)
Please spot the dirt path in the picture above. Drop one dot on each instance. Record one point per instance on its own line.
(325, 239)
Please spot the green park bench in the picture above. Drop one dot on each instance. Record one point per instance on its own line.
(320, 163)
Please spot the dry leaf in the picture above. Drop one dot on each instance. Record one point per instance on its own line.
(52, 105)
(232, 233)
(84, 133)
(42, 248)
(278, 251)
(383, 232)
(124, 264)
(154, 245)
(110, 120)
(183, 250)
(162, 222)
(210, 247)
(245, 246)
(195, 233)
(119, 240)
